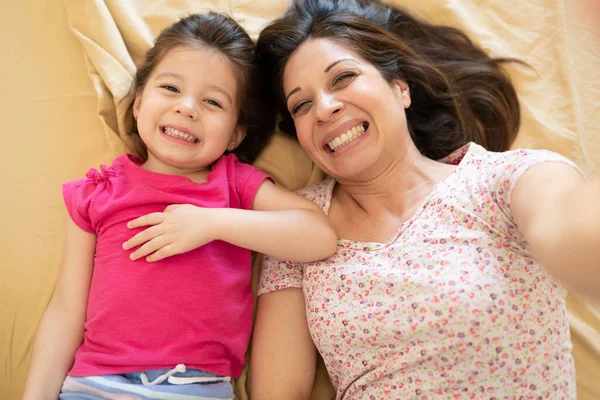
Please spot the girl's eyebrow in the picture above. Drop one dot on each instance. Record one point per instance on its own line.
(222, 91)
(169, 75)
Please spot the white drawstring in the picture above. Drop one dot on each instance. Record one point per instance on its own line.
(161, 378)
(181, 380)
(184, 380)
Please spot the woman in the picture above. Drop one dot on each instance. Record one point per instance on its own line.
(446, 279)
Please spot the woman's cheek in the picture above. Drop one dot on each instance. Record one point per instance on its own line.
(303, 132)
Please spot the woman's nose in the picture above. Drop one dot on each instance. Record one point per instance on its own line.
(186, 107)
(327, 106)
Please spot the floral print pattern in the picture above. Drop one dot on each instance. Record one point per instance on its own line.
(453, 306)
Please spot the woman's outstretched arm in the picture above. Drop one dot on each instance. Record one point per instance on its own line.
(558, 213)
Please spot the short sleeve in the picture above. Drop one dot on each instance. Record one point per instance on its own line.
(508, 167)
(247, 181)
(276, 274)
(78, 195)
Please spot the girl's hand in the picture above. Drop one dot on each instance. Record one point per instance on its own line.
(178, 229)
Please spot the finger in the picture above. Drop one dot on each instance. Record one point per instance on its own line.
(145, 220)
(143, 237)
(164, 252)
(171, 207)
(149, 247)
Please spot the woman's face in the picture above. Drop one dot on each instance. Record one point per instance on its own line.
(348, 118)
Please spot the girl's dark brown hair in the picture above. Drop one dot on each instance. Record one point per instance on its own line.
(213, 31)
(458, 93)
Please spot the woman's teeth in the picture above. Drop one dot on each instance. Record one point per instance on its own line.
(175, 133)
(347, 137)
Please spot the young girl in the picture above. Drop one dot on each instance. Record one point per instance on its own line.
(172, 319)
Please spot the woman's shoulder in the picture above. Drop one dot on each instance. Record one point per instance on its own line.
(495, 174)
(475, 157)
(319, 193)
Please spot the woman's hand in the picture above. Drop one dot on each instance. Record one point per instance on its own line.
(178, 229)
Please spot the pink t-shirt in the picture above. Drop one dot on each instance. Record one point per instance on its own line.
(453, 306)
(193, 308)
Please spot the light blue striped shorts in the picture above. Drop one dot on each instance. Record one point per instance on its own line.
(178, 383)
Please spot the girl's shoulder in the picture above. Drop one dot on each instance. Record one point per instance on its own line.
(81, 195)
(229, 165)
(102, 175)
(106, 173)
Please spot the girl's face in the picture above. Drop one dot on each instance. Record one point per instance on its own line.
(187, 111)
(348, 118)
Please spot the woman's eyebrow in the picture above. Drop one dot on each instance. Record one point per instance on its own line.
(327, 69)
(333, 64)
(291, 93)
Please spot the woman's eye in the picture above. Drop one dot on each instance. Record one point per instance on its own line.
(299, 107)
(212, 103)
(170, 88)
(343, 76)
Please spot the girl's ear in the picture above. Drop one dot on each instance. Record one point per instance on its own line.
(137, 104)
(239, 133)
(404, 91)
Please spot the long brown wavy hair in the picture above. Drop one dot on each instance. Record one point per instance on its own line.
(213, 31)
(458, 93)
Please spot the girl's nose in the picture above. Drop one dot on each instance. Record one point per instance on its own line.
(186, 107)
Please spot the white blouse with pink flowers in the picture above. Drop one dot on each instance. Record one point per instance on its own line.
(453, 306)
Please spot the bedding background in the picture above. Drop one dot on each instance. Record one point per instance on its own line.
(65, 74)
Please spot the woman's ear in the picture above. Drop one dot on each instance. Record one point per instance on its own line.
(404, 91)
(239, 133)
(137, 104)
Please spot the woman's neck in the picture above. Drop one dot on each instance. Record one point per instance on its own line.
(397, 189)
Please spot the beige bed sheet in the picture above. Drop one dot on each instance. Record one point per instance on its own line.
(52, 133)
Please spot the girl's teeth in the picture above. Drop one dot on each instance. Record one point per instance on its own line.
(347, 137)
(179, 134)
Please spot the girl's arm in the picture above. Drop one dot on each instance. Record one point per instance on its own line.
(283, 358)
(558, 213)
(61, 329)
(282, 224)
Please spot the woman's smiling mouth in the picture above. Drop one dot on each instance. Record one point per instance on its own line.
(347, 137)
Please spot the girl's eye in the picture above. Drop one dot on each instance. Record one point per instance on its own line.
(343, 76)
(213, 103)
(170, 88)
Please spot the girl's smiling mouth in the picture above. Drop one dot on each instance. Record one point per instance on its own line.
(176, 133)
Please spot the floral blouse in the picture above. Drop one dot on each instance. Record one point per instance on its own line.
(453, 306)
